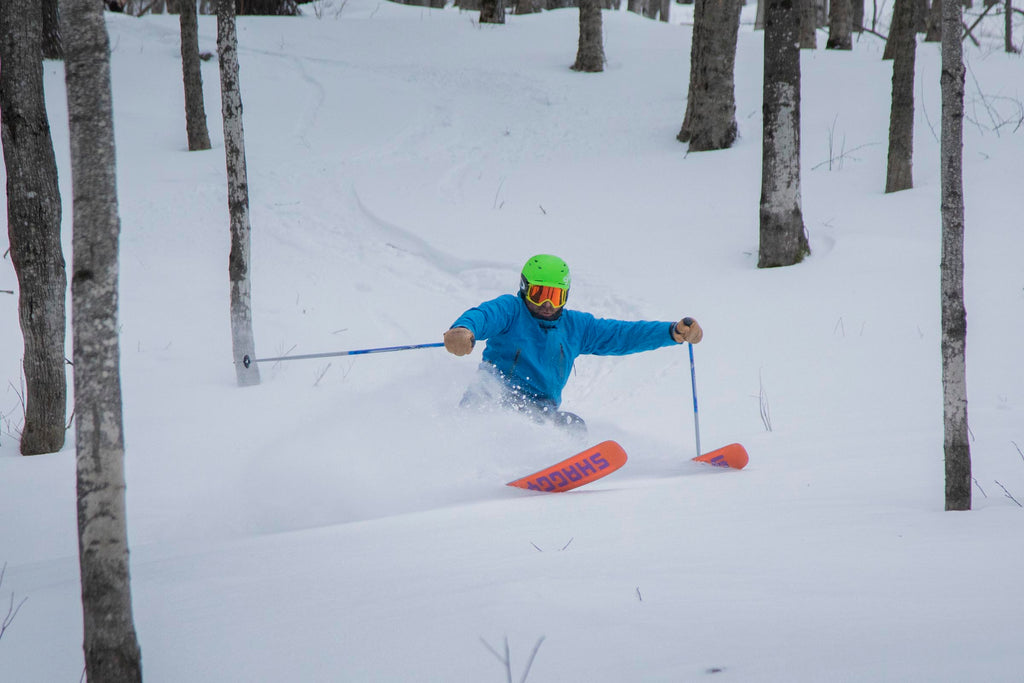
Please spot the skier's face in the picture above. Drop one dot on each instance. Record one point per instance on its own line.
(545, 311)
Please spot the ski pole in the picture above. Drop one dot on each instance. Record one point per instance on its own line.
(693, 382)
(246, 361)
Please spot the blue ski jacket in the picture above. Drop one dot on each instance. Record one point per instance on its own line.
(535, 356)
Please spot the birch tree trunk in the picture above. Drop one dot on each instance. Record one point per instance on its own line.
(899, 174)
(111, 646)
(956, 446)
(195, 108)
(590, 50)
(33, 225)
(710, 119)
(242, 340)
(783, 240)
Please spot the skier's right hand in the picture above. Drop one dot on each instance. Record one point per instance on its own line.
(459, 341)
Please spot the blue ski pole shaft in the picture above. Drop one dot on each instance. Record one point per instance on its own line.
(246, 361)
(693, 383)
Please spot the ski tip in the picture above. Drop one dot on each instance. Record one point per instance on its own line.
(733, 456)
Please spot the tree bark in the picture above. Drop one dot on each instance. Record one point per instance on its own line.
(808, 25)
(1008, 27)
(590, 51)
(783, 240)
(53, 48)
(933, 30)
(840, 34)
(899, 175)
(192, 76)
(492, 12)
(111, 646)
(710, 119)
(33, 225)
(857, 15)
(956, 446)
(242, 339)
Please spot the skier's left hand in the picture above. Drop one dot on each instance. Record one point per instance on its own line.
(687, 330)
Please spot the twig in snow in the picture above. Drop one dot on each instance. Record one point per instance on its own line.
(762, 399)
(1008, 495)
(506, 660)
(12, 611)
(1018, 449)
(320, 376)
(979, 487)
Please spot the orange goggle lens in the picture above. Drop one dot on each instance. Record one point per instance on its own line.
(538, 294)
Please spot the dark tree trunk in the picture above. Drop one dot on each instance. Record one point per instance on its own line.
(783, 240)
(52, 46)
(33, 225)
(195, 108)
(710, 119)
(933, 31)
(840, 35)
(896, 29)
(857, 15)
(242, 340)
(1008, 26)
(492, 12)
(899, 175)
(590, 54)
(956, 446)
(808, 24)
(111, 646)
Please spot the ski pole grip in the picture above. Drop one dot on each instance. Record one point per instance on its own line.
(687, 321)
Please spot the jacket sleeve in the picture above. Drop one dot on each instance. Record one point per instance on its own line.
(489, 318)
(607, 337)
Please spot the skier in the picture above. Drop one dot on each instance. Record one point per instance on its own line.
(533, 341)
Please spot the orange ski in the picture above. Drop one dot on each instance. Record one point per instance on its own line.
(733, 455)
(584, 467)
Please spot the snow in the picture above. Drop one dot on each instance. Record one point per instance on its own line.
(344, 521)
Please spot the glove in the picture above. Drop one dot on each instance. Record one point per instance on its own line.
(687, 330)
(459, 341)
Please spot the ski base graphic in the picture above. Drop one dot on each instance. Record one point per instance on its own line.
(584, 467)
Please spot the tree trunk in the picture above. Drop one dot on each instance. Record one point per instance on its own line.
(710, 119)
(242, 340)
(933, 31)
(195, 108)
(783, 240)
(956, 446)
(840, 34)
(895, 30)
(52, 46)
(808, 25)
(899, 175)
(111, 646)
(492, 12)
(857, 15)
(1008, 26)
(590, 54)
(33, 225)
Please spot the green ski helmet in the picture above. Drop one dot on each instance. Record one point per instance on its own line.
(545, 270)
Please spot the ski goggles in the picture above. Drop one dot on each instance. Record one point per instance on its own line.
(538, 294)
